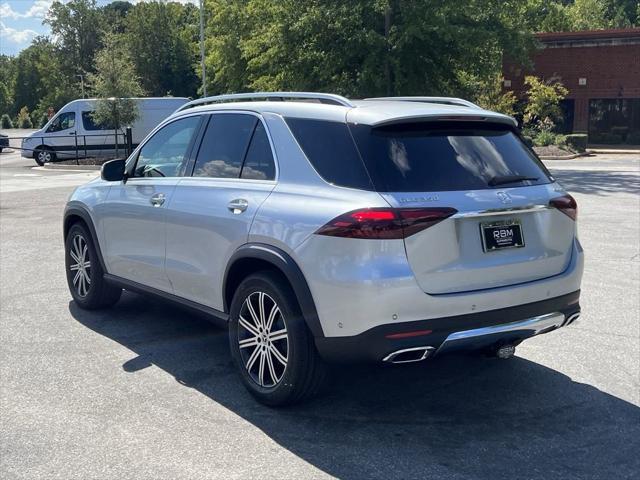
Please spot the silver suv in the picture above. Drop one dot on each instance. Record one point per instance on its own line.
(319, 229)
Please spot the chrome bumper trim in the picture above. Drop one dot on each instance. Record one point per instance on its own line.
(522, 329)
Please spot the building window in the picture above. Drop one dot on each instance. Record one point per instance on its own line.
(614, 121)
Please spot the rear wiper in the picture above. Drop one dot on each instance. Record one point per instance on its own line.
(503, 179)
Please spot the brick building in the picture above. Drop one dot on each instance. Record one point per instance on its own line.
(601, 70)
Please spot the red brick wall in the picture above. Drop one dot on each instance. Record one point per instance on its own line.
(611, 72)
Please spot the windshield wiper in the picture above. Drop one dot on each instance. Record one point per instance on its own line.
(504, 179)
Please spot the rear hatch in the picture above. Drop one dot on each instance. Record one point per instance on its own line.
(505, 221)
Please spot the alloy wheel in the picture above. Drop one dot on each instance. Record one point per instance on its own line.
(79, 253)
(263, 339)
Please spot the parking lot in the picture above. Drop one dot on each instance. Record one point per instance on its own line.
(148, 391)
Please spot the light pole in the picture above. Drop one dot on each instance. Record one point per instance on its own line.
(204, 75)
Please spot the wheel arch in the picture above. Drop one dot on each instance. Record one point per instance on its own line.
(254, 257)
(79, 214)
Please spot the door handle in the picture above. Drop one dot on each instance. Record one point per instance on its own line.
(238, 205)
(157, 200)
(72, 133)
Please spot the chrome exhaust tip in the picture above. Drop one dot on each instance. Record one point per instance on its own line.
(409, 355)
(572, 319)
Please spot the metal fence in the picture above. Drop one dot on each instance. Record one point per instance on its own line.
(73, 146)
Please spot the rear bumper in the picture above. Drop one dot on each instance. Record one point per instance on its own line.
(474, 331)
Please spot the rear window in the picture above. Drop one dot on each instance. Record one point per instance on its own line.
(419, 157)
(330, 149)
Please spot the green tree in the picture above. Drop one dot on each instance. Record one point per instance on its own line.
(491, 95)
(41, 80)
(78, 27)
(161, 40)
(543, 102)
(8, 73)
(570, 15)
(589, 15)
(114, 16)
(114, 83)
(361, 47)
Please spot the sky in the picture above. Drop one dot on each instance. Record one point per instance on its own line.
(21, 20)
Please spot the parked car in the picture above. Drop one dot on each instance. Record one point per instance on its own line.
(4, 141)
(72, 131)
(320, 229)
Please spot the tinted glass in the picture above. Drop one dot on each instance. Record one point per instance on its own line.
(443, 157)
(63, 122)
(165, 153)
(259, 164)
(330, 149)
(614, 121)
(224, 145)
(89, 123)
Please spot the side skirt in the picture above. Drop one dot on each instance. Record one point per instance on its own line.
(217, 317)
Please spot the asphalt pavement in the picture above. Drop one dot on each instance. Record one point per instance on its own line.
(147, 391)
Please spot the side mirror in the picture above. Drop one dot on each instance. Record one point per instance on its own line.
(113, 170)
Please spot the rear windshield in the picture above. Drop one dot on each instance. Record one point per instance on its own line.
(420, 157)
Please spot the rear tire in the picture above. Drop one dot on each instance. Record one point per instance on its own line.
(44, 155)
(271, 346)
(85, 276)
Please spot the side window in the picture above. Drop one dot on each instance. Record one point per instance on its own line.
(89, 124)
(224, 145)
(63, 122)
(330, 149)
(259, 164)
(164, 154)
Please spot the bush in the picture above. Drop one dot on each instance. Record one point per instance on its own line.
(23, 120)
(544, 139)
(576, 142)
(5, 121)
(633, 138)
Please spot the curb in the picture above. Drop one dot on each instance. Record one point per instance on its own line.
(613, 151)
(564, 157)
(50, 166)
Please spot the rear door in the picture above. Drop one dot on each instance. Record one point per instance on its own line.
(210, 213)
(503, 231)
(134, 214)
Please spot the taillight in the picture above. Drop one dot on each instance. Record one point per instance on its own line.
(384, 223)
(567, 205)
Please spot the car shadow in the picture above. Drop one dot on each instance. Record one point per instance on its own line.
(597, 182)
(451, 417)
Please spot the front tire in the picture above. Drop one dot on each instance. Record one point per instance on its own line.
(271, 344)
(85, 276)
(44, 155)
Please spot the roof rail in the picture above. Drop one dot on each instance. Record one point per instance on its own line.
(322, 97)
(444, 100)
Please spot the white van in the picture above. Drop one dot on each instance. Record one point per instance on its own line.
(72, 132)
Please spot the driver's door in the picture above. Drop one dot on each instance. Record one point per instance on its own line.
(133, 217)
(61, 135)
